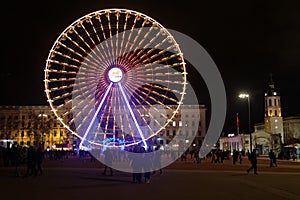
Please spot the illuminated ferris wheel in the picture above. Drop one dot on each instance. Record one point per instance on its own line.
(115, 75)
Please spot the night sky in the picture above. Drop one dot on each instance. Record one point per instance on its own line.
(247, 40)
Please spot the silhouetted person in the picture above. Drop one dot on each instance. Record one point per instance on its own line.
(196, 156)
(235, 156)
(253, 160)
(31, 162)
(137, 164)
(108, 158)
(39, 160)
(240, 157)
(148, 164)
(157, 161)
(17, 159)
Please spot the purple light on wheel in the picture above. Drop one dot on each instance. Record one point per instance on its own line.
(95, 115)
(133, 116)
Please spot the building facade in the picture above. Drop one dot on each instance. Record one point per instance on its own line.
(187, 125)
(274, 133)
(291, 126)
(33, 125)
(38, 126)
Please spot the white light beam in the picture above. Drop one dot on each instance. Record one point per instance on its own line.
(95, 115)
(133, 117)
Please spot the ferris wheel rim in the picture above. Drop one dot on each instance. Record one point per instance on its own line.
(104, 11)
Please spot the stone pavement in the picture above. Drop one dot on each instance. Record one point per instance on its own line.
(81, 179)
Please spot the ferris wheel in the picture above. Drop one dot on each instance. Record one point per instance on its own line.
(115, 75)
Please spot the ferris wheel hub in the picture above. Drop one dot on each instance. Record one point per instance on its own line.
(115, 74)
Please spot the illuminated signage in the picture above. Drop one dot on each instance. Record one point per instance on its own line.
(115, 74)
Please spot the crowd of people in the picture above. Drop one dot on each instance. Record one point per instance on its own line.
(27, 160)
(142, 166)
(142, 160)
(17, 156)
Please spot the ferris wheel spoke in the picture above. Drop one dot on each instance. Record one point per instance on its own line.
(88, 63)
(153, 67)
(133, 116)
(129, 43)
(154, 108)
(125, 124)
(74, 52)
(158, 92)
(78, 81)
(97, 46)
(142, 54)
(151, 97)
(117, 14)
(143, 95)
(139, 103)
(95, 115)
(137, 41)
(110, 35)
(107, 50)
(123, 35)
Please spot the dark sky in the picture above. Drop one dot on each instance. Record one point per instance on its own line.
(247, 40)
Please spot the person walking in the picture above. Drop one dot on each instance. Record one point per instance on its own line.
(108, 158)
(240, 155)
(253, 160)
(157, 161)
(39, 160)
(274, 159)
(148, 164)
(17, 158)
(137, 164)
(30, 162)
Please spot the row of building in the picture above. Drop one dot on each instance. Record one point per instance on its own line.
(33, 125)
(37, 125)
(275, 133)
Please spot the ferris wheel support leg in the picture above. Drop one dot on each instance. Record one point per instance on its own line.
(95, 115)
(133, 116)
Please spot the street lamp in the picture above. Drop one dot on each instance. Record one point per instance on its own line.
(243, 96)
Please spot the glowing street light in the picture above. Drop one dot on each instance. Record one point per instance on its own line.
(243, 96)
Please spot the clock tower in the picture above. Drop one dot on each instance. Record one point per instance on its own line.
(273, 119)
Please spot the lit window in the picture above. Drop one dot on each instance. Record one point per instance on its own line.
(174, 123)
(180, 123)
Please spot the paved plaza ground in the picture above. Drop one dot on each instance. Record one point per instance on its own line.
(76, 178)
